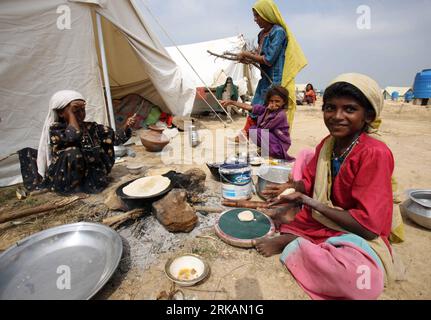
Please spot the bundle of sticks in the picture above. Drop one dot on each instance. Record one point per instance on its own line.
(235, 57)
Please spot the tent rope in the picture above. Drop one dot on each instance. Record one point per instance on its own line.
(191, 66)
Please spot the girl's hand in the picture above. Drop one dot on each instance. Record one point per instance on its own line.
(296, 198)
(130, 122)
(225, 103)
(274, 190)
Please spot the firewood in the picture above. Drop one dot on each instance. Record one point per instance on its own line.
(5, 217)
(116, 221)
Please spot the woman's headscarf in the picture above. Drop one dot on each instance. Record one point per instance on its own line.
(371, 91)
(58, 101)
(294, 56)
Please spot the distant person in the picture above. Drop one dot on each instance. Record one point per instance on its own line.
(309, 95)
(278, 54)
(73, 155)
(271, 118)
(228, 91)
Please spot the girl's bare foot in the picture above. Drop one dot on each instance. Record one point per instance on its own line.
(272, 246)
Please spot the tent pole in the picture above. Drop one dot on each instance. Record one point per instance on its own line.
(105, 71)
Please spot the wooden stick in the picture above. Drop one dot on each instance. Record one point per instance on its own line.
(208, 209)
(116, 221)
(245, 204)
(43, 208)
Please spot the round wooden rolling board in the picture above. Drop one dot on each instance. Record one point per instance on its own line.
(242, 234)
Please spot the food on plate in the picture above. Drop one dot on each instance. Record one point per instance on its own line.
(187, 274)
(147, 187)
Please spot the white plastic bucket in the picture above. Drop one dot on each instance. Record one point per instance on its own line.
(236, 181)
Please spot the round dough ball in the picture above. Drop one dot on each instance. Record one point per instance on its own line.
(246, 216)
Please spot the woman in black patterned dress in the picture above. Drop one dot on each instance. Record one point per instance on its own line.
(79, 155)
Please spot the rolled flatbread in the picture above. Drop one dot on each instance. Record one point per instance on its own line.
(246, 216)
(147, 187)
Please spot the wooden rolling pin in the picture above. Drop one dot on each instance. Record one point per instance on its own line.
(245, 204)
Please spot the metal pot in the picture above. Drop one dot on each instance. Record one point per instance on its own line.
(120, 151)
(271, 175)
(418, 207)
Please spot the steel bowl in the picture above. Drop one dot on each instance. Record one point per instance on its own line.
(213, 167)
(414, 209)
(120, 151)
(421, 197)
(188, 261)
(267, 175)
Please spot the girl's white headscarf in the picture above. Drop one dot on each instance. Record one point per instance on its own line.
(58, 101)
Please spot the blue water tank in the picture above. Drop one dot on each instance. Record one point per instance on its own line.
(395, 96)
(408, 96)
(422, 86)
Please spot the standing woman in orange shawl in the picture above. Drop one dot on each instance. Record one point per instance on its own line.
(279, 54)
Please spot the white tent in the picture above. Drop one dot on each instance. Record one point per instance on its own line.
(388, 91)
(212, 70)
(50, 45)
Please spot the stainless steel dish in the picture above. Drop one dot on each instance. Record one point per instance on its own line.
(414, 209)
(120, 151)
(421, 197)
(70, 262)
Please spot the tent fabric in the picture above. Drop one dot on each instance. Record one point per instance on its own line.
(401, 90)
(212, 70)
(38, 58)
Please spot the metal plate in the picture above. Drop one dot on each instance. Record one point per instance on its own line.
(70, 262)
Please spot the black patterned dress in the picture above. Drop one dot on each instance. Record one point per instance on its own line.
(81, 160)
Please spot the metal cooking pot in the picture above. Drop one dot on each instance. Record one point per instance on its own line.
(271, 175)
(418, 207)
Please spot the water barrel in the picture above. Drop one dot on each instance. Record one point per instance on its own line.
(395, 96)
(422, 86)
(408, 96)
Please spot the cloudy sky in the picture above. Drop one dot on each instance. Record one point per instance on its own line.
(393, 50)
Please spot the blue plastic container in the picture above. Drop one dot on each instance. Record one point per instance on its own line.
(422, 86)
(395, 95)
(408, 96)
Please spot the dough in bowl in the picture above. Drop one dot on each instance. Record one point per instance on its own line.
(246, 216)
(147, 186)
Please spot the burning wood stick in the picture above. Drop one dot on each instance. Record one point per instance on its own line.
(115, 221)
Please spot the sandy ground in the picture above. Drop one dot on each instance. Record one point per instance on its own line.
(239, 273)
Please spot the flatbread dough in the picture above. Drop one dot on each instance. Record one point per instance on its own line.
(147, 187)
(246, 216)
(287, 192)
